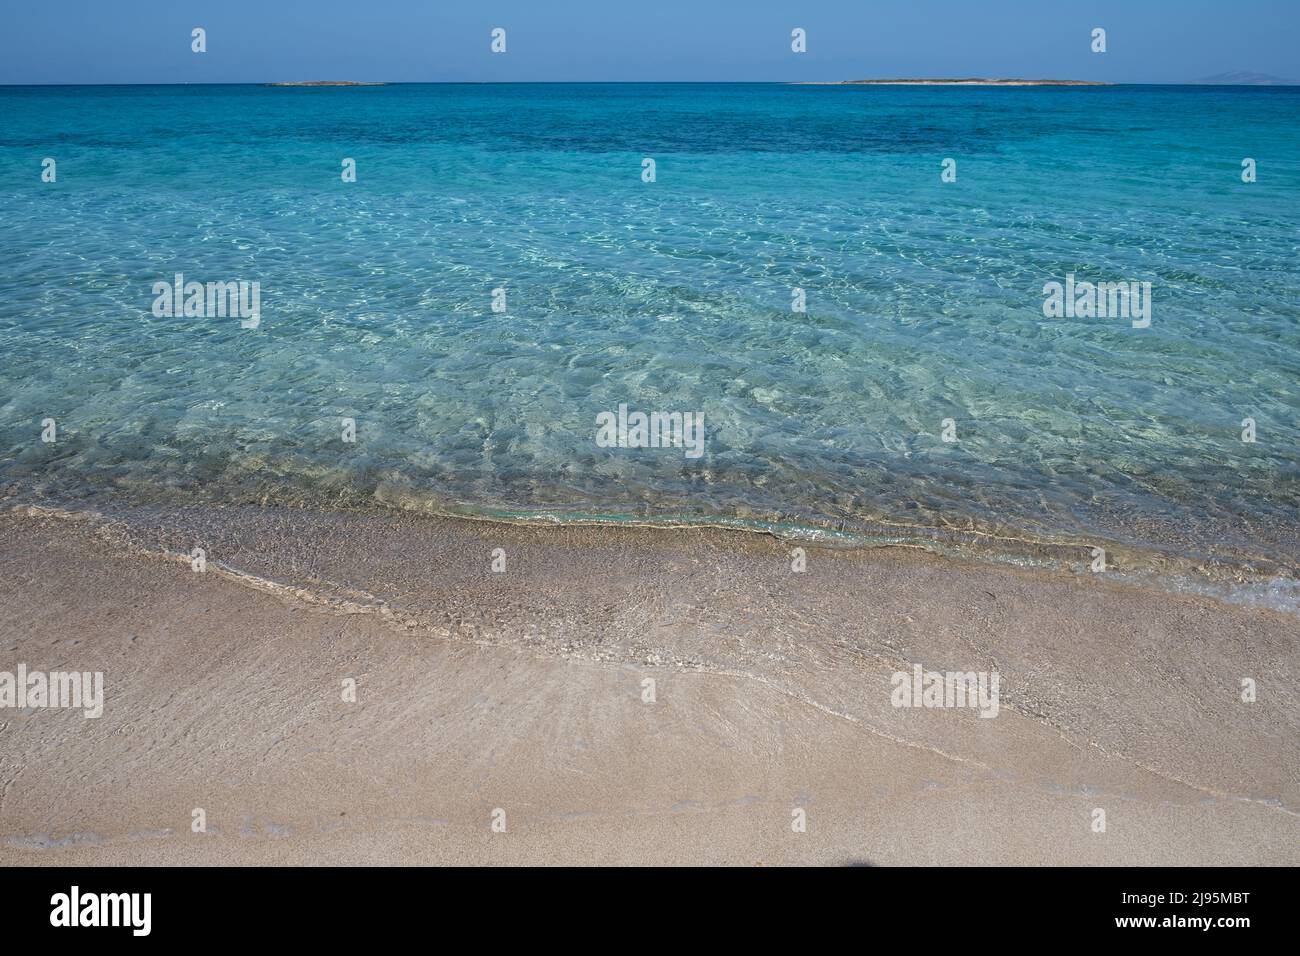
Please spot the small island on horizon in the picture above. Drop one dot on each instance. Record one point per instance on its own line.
(971, 81)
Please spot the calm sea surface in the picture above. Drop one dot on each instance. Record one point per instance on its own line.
(924, 303)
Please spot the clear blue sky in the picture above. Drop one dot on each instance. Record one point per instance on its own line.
(148, 41)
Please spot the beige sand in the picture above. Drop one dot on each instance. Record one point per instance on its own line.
(523, 691)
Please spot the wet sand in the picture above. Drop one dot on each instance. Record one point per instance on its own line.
(523, 691)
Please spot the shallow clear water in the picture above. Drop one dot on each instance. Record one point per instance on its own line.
(924, 302)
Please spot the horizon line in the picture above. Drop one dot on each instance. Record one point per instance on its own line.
(936, 81)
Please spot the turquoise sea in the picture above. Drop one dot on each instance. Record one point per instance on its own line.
(923, 303)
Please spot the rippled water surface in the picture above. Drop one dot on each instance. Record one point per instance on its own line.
(924, 302)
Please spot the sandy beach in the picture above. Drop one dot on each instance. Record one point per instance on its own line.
(524, 692)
